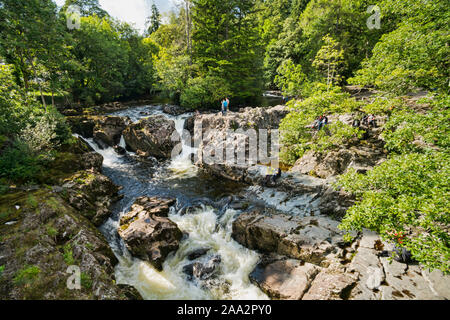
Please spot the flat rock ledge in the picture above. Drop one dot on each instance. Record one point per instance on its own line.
(147, 231)
(307, 259)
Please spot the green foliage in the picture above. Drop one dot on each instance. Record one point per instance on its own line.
(290, 78)
(297, 137)
(329, 60)
(68, 255)
(26, 275)
(226, 45)
(204, 93)
(86, 281)
(155, 20)
(409, 194)
(2, 268)
(413, 55)
(411, 131)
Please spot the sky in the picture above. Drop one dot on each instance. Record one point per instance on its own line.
(132, 11)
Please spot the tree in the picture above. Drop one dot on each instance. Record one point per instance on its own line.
(87, 7)
(290, 78)
(329, 59)
(154, 20)
(414, 55)
(226, 44)
(31, 40)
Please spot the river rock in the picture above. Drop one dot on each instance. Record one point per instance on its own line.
(203, 271)
(212, 130)
(310, 239)
(92, 194)
(154, 136)
(173, 110)
(148, 233)
(108, 130)
(284, 279)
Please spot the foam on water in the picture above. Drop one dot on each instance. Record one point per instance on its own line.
(205, 231)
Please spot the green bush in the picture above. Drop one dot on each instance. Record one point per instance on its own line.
(297, 137)
(204, 92)
(409, 195)
(26, 275)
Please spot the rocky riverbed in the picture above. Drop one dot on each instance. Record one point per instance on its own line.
(173, 225)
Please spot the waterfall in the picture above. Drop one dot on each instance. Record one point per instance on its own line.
(182, 165)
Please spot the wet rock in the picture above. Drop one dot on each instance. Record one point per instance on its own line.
(309, 239)
(148, 233)
(203, 271)
(198, 253)
(154, 136)
(120, 150)
(174, 110)
(284, 279)
(108, 130)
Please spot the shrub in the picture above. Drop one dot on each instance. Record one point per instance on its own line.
(409, 195)
(204, 92)
(26, 275)
(297, 137)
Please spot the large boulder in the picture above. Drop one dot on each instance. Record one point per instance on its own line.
(154, 136)
(310, 239)
(173, 110)
(215, 133)
(147, 231)
(108, 130)
(92, 194)
(284, 279)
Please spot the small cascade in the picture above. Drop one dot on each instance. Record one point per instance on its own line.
(182, 165)
(205, 230)
(207, 227)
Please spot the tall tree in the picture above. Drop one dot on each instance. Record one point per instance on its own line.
(87, 7)
(154, 20)
(31, 40)
(226, 44)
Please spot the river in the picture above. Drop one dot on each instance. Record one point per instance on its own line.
(207, 227)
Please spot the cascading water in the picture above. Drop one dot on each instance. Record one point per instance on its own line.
(207, 227)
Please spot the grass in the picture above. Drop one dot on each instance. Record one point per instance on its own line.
(86, 281)
(26, 275)
(32, 202)
(68, 255)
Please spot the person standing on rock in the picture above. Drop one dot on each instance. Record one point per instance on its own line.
(225, 104)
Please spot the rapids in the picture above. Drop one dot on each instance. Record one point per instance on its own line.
(207, 227)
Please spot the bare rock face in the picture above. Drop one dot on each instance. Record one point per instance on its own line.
(309, 239)
(173, 110)
(285, 279)
(92, 194)
(108, 130)
(362, 158)
(214, 130)
(152, 137)
(330, 286)
(147, 231)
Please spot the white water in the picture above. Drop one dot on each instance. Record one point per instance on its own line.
(182, 166)
(205, 229)
(171, 283)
